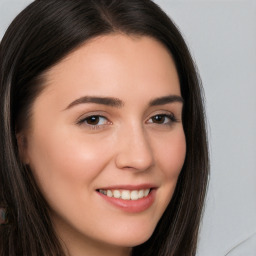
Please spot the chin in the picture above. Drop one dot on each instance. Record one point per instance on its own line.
(133, 239)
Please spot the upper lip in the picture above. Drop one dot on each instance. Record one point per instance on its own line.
(129, 187)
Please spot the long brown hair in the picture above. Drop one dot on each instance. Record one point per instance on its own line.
(39, 37)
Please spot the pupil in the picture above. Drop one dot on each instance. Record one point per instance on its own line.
(93, 120)
(158, 119)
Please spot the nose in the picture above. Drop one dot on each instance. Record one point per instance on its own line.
(134, 150)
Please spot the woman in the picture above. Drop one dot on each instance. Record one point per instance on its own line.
(103, 141)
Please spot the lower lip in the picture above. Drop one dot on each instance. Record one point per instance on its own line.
(132, 206)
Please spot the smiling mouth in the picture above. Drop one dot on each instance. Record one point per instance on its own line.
(125, 194)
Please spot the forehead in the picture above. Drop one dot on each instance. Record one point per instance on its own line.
(115, 64)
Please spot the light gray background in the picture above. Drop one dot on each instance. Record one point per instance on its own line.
(222, 39)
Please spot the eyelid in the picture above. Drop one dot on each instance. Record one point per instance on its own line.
(170, 115)
(82, 120)
(91, 113)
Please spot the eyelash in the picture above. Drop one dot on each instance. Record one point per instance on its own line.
(171, 117)
(84, 121)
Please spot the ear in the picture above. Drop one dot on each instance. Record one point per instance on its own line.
(22, 147)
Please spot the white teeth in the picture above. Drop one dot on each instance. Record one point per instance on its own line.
(141, 193)
(116, 193)
(146, 192)
(109, 193)
(134, 195)
(126, 194)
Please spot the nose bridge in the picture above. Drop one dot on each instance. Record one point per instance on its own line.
(135, 148)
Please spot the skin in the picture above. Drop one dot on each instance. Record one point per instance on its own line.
(70, 160)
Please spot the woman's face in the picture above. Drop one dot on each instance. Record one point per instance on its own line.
(106, 142)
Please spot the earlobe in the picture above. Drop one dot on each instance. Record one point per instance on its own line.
(22, 147)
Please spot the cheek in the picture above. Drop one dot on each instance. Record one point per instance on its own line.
(171, 155)
(64, 162)
(170, 159)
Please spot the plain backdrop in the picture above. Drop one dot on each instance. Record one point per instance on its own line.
(222, 38)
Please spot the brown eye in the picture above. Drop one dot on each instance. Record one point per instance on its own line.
(163, 119)
(92, 120)
(159, 119)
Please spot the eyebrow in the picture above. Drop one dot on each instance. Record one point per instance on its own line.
(166, 100)
(108, 101)
(115, 102)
